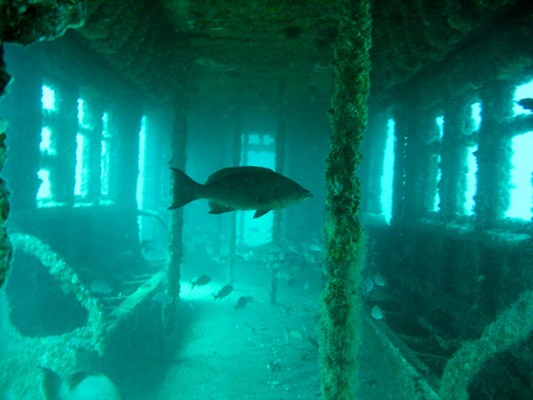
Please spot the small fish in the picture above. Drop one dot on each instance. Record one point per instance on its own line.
(163, 298)
(376, 313)
(239, 188)
(242, 302)
(224, 292)
(81, 385)
(200, 281)
(526, 103)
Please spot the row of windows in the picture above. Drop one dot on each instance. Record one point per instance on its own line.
(520, 186)
(91, 127)
(85, 134)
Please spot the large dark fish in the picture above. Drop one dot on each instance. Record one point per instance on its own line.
(239, 188)
(82, 385)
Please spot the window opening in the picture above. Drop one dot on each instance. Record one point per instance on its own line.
(48, 98)
(476, 115)
(388, 173)
(47, 145)
(81, 185)
(471, 162)
(141, 163)
(521, 190)
(105, 157)
(439, 121)
(471, 180)
(44, 193)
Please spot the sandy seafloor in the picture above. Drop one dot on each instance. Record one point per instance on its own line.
(260, 352)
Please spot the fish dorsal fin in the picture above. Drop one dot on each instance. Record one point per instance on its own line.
(260, 213)
(227, 172)
(215, 208)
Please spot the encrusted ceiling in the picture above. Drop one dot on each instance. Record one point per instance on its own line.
(231, 51)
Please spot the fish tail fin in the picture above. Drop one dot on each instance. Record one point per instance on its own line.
(51, 384)
(185, 189)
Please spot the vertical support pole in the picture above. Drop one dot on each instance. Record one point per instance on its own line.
(426, 166)
(155, 167)
(340, 324)
(493, 155)
(175, 242)
(127, 123)
(452, 186)
(413, 166)
(175, 250)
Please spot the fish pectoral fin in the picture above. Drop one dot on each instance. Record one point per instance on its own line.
(260, 213)
(215, 208)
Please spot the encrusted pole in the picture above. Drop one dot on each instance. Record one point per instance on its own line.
(175, 241)
(340, 325)
(453, 185)
(179, 157)
(493, 155)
